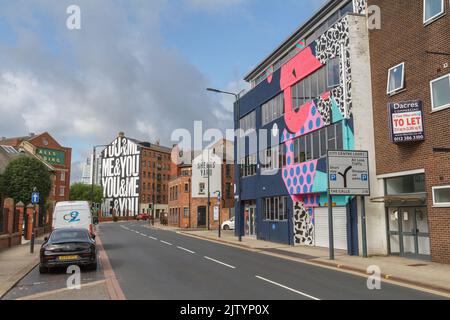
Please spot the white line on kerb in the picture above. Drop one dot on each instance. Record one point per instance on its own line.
(220, 262)
(287, 288)
(187, 250)
(168, 243)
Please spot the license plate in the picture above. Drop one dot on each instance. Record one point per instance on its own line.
(67, 258)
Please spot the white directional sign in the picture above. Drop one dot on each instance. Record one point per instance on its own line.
(348, 173)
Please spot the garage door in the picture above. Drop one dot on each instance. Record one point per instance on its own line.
(339, 227)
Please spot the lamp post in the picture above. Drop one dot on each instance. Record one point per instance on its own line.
(237, 173)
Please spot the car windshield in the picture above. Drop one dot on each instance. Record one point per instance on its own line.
(60, 236)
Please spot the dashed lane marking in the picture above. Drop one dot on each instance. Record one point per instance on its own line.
(187, 250)
(287, 288)
(220, 262)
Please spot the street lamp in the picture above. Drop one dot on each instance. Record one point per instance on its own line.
(237, 173)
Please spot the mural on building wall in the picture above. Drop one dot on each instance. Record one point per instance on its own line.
(307, 182)
(120, 176)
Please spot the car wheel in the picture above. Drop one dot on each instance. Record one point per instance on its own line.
(226, 227)
(42, 269)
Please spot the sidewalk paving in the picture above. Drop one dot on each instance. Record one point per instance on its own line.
(424, 274)
(17, 262)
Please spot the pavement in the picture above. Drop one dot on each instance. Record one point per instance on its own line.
(15, 263)
(156, 264)
(421, 274)
(20, 278)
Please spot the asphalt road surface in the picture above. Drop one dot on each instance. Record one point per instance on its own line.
(163, 265)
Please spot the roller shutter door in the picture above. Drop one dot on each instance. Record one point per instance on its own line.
(339, 228)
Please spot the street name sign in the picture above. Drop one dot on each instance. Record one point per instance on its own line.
(348, 173)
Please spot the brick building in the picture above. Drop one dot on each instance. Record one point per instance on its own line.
(188, 188)
(410, 58)
(46, 148)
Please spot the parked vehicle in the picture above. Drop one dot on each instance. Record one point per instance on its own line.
(143, 217)
(66, 247)
(228, 225)
(73, 214)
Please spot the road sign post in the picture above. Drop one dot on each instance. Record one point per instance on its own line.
(348, 175)
(34, 201)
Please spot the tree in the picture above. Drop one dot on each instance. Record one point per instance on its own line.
(82, 192)
(22, 175)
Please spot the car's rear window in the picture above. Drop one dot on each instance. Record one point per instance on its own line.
(69, 235)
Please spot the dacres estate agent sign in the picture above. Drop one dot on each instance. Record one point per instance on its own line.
(120, 176)
(406, 121)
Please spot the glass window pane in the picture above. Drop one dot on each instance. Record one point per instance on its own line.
(331, 135)
(314, 85)
(316, 145)
(323, 142)
(303, 149)
(433, 8)
(442, 195)
(296, 150)
(322, 80)
(308, 148)
(441, 92)
(405, 184)
(307, 87)
(333, 72)
(396, 79)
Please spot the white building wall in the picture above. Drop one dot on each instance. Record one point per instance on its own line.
(199, 174)
(364, 133)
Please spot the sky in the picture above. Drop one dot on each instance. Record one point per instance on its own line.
(137, 66)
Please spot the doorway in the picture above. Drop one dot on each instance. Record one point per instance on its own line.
(250, 220)
(201, 217)
(408, 232)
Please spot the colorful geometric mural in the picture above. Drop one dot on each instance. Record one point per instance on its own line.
(306, 182)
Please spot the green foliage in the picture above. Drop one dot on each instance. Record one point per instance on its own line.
(22, 175)
(82, 192)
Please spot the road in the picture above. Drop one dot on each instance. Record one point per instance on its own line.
(164, 265)
(153, 264)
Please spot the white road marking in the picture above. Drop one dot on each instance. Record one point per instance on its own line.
(144, 235)
(287, 288)
(153, 238)
(220, 262)
(168, 243)
(187, 250)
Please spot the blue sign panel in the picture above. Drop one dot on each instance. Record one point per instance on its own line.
(35, 198)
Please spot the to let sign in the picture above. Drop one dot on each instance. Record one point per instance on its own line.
(348, 173)
(406, 121)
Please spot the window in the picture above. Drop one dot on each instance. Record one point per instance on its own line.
(186, 187)
(440, 93)
(405, 184)
(275, 209)
(333, 72)
(273, 109)
(63, 176)
(310, 87)
(432, 9)
(396, 78)
(441, 196)
(248, 122)
(273, 158)
(201, 188)
(62, 191)
(186, 212)
(228, 193)
(248, 166)
(315, 145)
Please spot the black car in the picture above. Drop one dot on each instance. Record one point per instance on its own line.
(66, 247)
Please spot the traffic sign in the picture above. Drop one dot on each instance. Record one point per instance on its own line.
(35, 198)
(348, 173)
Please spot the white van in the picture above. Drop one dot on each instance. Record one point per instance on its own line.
(73, 214)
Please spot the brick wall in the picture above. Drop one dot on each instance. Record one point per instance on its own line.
(404, 38)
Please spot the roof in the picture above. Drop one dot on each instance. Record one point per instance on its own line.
(290, 41)
(6, 158)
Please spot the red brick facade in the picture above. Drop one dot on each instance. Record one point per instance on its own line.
(425, 50)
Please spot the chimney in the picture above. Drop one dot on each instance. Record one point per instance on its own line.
(121, 134)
